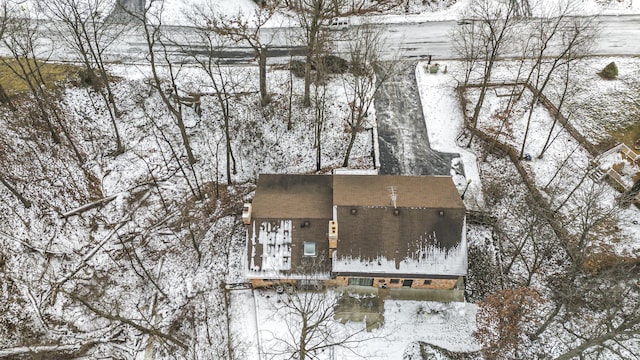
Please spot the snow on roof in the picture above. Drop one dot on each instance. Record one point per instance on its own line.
(423, 238)
(427, 259)
(347, 171)
(275, 238)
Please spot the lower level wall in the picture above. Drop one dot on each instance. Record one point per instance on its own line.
(265, 283)
(375, 282)
(398, 283)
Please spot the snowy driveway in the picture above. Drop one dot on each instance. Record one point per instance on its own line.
(402, 134)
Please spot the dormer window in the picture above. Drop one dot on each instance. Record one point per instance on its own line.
(309, 249)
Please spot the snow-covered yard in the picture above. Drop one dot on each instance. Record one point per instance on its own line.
(127, 256)
(261, 318)
(453, 324)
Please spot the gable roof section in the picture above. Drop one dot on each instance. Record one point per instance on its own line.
(416, 241)
(437, 192)
(425, 235)
(284, 196)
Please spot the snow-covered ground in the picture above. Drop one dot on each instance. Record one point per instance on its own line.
(187, 274)
(443, 119)
(260, 318)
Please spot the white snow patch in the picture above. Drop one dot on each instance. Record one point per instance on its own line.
(275, 240)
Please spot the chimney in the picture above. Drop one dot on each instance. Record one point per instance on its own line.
(333, 237)
(246, 214)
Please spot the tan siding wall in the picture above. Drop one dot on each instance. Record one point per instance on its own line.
(417, 283)
(435, 284)
(261, 283)
(341, 281)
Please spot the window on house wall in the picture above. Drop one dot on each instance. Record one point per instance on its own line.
(427, 282)
(361, 281)
(309, 249)
(395, 281)
(310, 284)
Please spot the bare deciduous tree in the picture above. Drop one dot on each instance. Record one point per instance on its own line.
(314, 16)
(604, 318)
(239, 29)
(84, 26)
(22, 40)
(483, 43)
(4, 97)
(150, 22)
(526, 244)
(220, 78)
(559, 39)
(312, 327)
(566, 90)
(364, 48)
(319, 108)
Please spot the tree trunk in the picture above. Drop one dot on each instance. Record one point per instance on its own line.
(175, 110)
(307, 79)
(185, 136)
(352, 140)
(476, 110)
(289, 110)
(227, 137)
(25, 202)
(318, 146)
(262, 64)
(313, 29)
(4, 99)
(302, 346)
(557, 115)
(114, 112)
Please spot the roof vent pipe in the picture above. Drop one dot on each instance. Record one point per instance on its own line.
(393, 193)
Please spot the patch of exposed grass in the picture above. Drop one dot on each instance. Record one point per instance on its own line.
(53, 75)
(629, 134)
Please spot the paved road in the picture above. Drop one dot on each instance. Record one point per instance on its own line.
(408, 41)
(412, 40)
(402, 133)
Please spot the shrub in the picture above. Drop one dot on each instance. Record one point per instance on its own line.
(334, 64)
(297, 68)
(610, 72)
(504, 319)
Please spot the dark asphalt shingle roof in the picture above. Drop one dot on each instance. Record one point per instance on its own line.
(411, 191)
(293, 197)
(429, 216)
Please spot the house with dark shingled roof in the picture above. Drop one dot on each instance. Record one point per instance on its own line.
(388, 233)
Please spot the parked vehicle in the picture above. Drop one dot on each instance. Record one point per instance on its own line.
(339, 23)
